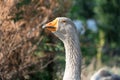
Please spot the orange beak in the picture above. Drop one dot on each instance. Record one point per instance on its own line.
(51, 26)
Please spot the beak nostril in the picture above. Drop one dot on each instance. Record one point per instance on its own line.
(50, 23)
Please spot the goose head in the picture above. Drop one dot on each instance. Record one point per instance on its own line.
(62, 27)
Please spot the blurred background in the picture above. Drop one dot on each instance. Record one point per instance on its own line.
(27, 52)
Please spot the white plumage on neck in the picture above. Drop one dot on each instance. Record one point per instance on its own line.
(73, 59)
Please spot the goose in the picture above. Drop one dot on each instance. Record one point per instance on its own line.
(65, 30)
(104, 74)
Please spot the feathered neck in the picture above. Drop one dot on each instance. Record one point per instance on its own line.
(73, 58)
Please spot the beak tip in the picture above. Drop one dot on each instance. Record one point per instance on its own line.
(43, 26)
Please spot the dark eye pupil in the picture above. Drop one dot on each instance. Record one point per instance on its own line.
(63, 21)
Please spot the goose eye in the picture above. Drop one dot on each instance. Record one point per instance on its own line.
(63, 21)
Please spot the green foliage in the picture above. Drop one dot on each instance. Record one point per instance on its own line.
(23, 2)
(46, 45)
(43, 75)
(108, 15)
(89, 45)
(82, 9)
